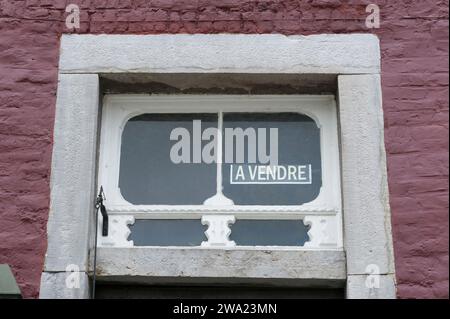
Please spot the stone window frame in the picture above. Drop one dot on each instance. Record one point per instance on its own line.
(353, 58)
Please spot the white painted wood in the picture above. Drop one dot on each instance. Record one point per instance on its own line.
(323, 232)
(118, 109)
(219, 199)
(118, 231)
(218, 231)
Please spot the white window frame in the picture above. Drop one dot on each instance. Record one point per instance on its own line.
(323, 214)
(354, 59)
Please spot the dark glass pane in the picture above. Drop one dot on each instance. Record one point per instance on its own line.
(147, 174)
(269, 233)
(298, 148)
(167, 232)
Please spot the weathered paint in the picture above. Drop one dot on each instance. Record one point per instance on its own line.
(414, 42)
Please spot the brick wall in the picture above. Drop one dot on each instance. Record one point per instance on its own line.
(414, 41)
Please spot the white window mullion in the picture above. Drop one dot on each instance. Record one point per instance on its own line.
(219, 199)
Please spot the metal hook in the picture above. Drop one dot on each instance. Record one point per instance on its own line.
(99, 205)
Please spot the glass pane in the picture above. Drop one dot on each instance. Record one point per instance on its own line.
(167, 232)
(148, 176)
(296, 179)
(269, 233)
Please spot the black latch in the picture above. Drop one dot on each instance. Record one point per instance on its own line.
(99, 205)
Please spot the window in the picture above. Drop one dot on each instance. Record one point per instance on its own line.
(278, 173)
(352, 60)
(297, 177)
(147, 176)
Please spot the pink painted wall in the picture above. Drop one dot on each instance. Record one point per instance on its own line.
(414, 40)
